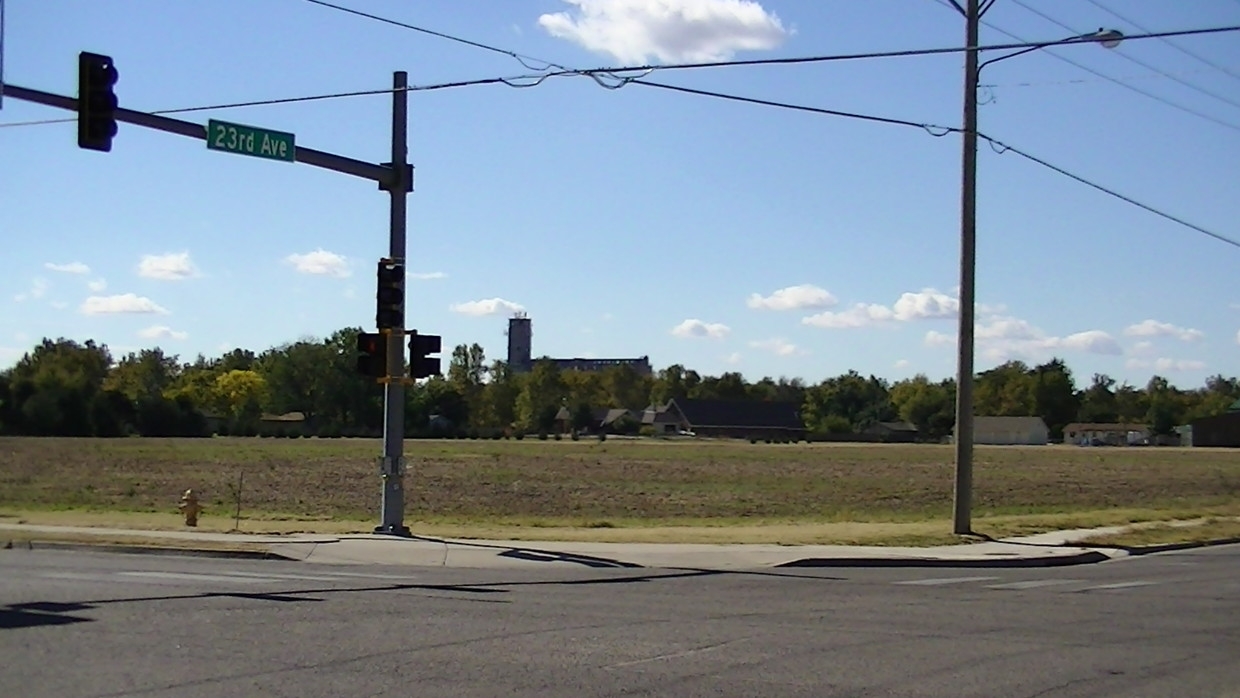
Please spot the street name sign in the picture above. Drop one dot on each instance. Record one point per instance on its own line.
(250, 140)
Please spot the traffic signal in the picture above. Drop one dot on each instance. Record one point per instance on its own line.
(389, 311)
(421, 346)
(372, 354)
(96, 101)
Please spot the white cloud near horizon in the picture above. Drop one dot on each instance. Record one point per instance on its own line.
(800, 297)
(125, 303)
(732, 359)
(639, 31)
(1004, 338)
(902, 363)
(162, 332)
(927, 304)
(694, 328)
(320, 262)
(1167, 364)
(1154, 328)
(427, 275)
(174, 266)
(70, 268)
(778, 346)
(38, 288)
(487, 306)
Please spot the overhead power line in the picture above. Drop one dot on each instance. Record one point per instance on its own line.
(999, 146)
(510, 81)
(792, 60)
(521, 58)
(1133, 88)
(1143, 64)
(1169, 42)
(1005, 148)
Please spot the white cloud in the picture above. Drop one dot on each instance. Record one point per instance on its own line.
(161, 332)
(902, 363)
(489, 306)
(1165, 364)
(778, 346)
(70, 268)
(1143, 348)
(1003, 338)
(697, 328)
(732, 359)
(427, 275)
(38, 287)
(1154, 328)
(174, 266)
(927, 304)
(123, 303)
(1092, 341)
(97, 286)
(635, 31)
(859, 315)
(800, 297)
(320, 263)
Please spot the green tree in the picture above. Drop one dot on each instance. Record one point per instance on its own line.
(1098, 403)
(626, 388)
(1055, 397)
(927, 405)
(147, 373)
(1008, 390)
(859, 401)
(542, 394)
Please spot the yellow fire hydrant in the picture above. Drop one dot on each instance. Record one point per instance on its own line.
(190, 507)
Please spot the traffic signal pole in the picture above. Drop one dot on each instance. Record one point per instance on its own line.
(396, 178)
(392, 470)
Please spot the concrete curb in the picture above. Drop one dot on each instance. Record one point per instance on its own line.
(124, 548)
(1082, 558)
(1169, 547)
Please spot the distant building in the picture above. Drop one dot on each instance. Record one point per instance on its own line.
(1222, 430)
(1010, 431)
(1102, 434)
(521, 353)
(895, 432)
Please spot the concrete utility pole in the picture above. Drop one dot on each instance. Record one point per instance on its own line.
(968, 262)
(392, 471)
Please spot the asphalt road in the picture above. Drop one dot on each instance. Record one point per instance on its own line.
(76, 624)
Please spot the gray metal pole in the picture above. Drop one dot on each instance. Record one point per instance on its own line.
(968, 262)
(393, 469)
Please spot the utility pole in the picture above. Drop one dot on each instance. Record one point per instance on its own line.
(968, 262)
(392, 470)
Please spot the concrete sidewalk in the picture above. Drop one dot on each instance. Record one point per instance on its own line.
(1051, 549)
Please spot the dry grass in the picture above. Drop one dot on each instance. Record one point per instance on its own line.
(622, 489)
(1212, 529)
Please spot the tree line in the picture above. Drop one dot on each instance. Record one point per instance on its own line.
(65, 388)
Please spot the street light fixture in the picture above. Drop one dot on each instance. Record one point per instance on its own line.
(972, 10)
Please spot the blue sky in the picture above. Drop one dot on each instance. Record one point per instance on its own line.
(638, 221)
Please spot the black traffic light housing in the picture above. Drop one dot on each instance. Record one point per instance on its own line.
(372, 354)
(96, 101)
(421, 347)
(390, 298)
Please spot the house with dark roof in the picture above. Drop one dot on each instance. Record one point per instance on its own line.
(1221, 430)
(895, 432)
(742, 419)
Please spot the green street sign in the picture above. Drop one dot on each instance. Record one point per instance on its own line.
(248, 140)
